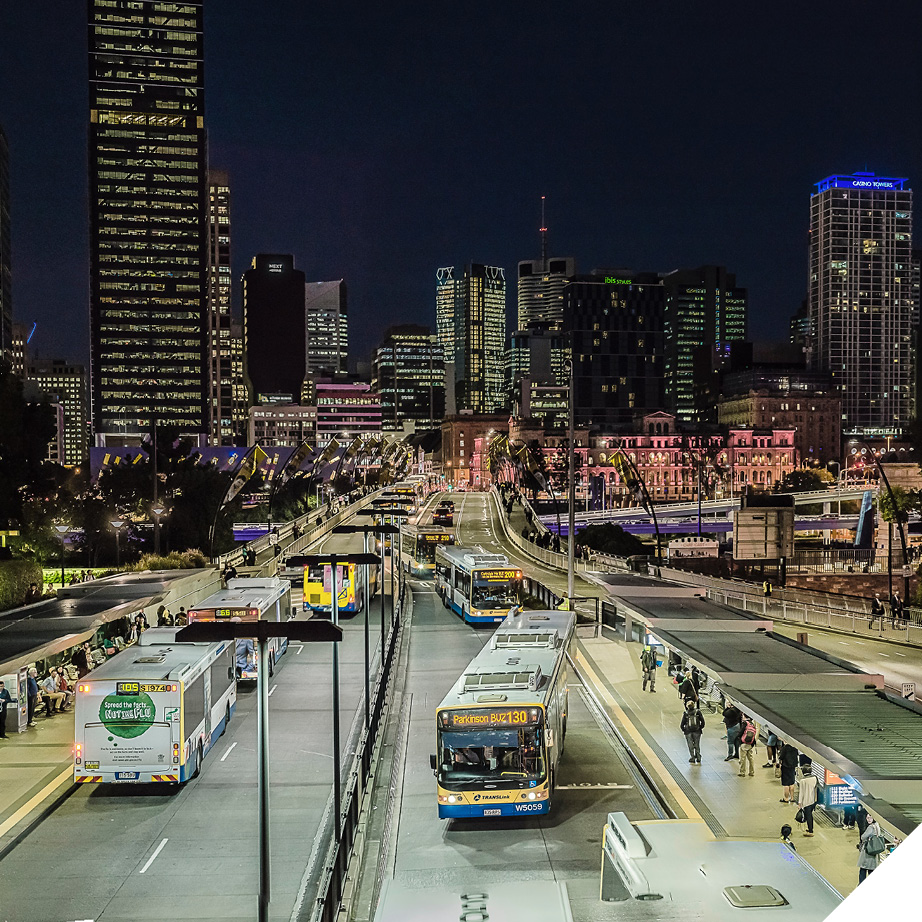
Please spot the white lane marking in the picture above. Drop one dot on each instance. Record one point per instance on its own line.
(150, 860)
(844, 644)
(229, 748)
(898, 654)
(885, 654)
(860, 643)
(298, 648)
(271, 690)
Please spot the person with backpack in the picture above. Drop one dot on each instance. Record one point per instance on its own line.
(877, 610)
(692, 725)
(871, 847)
(687, 689)
(806, 797)
(648, 665)
(732, 716)
(749, 737)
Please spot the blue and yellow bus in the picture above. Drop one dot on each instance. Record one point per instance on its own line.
(500, 730)
(479, 586)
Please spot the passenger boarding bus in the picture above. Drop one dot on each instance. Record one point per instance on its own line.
(153, 711)
(500, 730)
(418, 547)
(250, 599)
(478, 586)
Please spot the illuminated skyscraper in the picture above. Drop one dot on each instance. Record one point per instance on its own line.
(65, 385)
(409, 376)
(471, 323)
(6, 294)
(705, 312)
(326, 319)
(540, 291)
(147, 219)
(862, 299)
(220, 359)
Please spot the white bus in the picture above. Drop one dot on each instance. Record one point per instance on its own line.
(250, 599)
(692, 546)
(479, 586)
(153, 711)
(418, 547)
(500, 730)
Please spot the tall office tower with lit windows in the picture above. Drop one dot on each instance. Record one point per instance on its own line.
(148, 213)
(861, 297)
(409, 377)
(274, 355)
(64, 383)
(705, 311)
(471, 324)
(326, 321)
(220, 359)
(6, 286)
(540, 290)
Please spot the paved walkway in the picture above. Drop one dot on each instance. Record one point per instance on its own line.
(732, 806)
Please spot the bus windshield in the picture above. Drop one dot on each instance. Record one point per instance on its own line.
(507, 755)
(493, 593)
(425, 551)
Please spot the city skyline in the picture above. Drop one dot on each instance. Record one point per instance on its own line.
(319, 174)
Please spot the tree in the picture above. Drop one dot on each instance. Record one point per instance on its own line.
(804, 480)
(611, 539)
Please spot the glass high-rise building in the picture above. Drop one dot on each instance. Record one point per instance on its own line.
(326, 320)
(65, 384)
(861, 297)
(409, 377)
(147, 179)
(6, 277)
(220, 285)
(705, 311)
(471, 325)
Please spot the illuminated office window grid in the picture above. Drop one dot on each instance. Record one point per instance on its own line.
(148, 208)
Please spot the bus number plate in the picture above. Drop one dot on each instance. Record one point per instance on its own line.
(158, 687)
(126, 776)
(493, 812)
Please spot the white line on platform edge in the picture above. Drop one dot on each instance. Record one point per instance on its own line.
(229, 748)
(298, 648)
(274, 687)
(150, 860)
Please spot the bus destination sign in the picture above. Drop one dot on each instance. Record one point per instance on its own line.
(490, 718)
(440, 538)
(223, 614)
(499, 574)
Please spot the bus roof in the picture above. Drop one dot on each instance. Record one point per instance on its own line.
(246, 592)
(514, 667)
(156, 656)
(470, 557)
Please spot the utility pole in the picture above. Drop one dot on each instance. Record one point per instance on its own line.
(571, 516)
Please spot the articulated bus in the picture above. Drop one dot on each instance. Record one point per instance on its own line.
(250, 599)
(478, 586)
(500, 730)
(153, 711)
(418, 547)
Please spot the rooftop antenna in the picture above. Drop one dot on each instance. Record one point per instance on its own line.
(543, 238)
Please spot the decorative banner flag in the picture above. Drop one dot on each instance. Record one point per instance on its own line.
(247, 469)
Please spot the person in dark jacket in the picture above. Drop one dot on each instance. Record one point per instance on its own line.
(692, 725)
(6, 699)
(732, 717)
(687, 689)
(32, 694)
(787, 757)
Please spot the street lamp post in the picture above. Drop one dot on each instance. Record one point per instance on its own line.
(334, 561)
(571, 466)
(62, 530)
(157, 509)
(117, 524)
(305, 631)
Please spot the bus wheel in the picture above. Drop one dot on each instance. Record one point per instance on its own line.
(198, 761)
(271, 665)
(227, 716)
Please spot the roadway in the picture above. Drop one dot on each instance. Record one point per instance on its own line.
(112, 853)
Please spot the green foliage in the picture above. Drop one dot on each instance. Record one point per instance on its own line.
(187, 560)
(15, 578)
(610, 539)
(896, 508)
(804, 480)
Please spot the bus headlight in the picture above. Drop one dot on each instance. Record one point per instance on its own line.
(531, 795)
(452, 799)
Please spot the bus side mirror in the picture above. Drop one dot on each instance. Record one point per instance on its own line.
(433, 762)
(549, 738)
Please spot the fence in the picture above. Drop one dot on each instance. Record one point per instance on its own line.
(840, 560)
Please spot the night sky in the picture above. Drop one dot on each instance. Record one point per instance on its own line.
(379, 142)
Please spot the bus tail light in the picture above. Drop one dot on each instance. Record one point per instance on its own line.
(78, 754)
